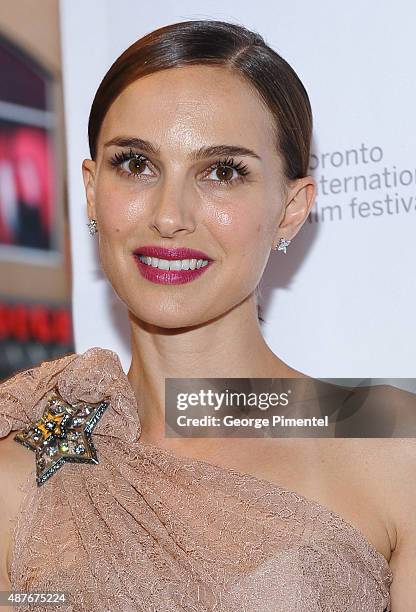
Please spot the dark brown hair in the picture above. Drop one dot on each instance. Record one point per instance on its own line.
(224, 44)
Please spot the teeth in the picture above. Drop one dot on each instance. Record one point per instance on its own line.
(173, 264)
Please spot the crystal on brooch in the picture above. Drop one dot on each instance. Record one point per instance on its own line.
(63, 433)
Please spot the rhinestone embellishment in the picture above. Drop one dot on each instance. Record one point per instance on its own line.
(63, 433)
(282, 244)
(92, 227)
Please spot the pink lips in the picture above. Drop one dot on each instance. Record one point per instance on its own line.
(170, 277)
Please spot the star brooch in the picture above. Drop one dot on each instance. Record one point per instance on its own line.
(63, 433)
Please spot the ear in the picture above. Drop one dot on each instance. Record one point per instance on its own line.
(299, 201)
(88, 174)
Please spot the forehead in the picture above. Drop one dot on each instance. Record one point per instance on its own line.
(189, 107)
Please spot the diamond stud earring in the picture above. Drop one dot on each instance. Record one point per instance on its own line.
(282, 244)
(92, 226)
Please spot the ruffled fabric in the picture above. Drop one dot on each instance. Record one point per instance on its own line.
(90, 377)
(146, 530)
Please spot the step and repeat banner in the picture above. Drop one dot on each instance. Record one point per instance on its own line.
(342, 301)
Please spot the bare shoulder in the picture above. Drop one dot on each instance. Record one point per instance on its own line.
(388, 466)
(394, 458)
(400, 494)
(16, 463)
(398, 464)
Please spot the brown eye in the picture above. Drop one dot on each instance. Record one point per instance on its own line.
(130, 164)
(224, 173)
(136, 165)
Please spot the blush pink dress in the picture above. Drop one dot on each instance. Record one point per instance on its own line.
(145, 530)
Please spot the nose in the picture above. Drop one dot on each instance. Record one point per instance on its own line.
(173, 209)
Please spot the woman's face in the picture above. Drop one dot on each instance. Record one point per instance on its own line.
(170, 197)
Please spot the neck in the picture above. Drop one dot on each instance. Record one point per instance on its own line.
(231, 346)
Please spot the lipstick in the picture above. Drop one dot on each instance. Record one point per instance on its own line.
(185, 266)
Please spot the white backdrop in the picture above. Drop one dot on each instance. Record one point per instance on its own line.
(341, 302)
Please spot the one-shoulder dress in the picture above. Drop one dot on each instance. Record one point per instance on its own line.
(145, 530)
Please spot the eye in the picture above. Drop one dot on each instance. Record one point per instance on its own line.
(224, 170)
(131, 164)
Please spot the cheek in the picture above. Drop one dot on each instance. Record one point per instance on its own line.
(242, 233)
(118, 211)
(242, 230)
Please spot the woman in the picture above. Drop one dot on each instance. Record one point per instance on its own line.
(199, 138)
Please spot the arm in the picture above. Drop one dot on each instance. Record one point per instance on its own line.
(16, 463)
(403, 559)
(4, 513)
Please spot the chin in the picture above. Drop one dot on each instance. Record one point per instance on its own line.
(170, 318)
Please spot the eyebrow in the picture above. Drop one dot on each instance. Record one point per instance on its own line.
(199, 154)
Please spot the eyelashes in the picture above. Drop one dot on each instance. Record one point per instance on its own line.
(120, 158)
